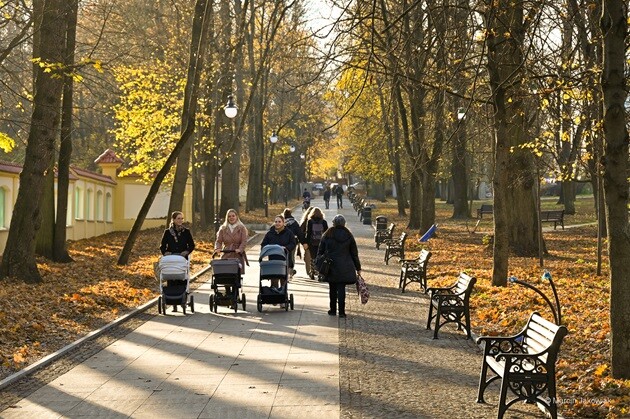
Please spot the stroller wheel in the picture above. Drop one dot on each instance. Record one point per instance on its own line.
(291, 301)
(184, 307)
(243, 301)
(211, 302)
(192, 304)
(160, 311)
(259, 303)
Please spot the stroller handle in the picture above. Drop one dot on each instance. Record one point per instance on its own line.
(214, 254)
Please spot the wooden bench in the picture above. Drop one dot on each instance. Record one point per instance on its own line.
(451, 304)
(395, 248)
(526, 363)
(554, 216)
(485, 209)
(415, 270)
(380, 236)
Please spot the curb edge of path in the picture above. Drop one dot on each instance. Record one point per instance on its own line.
(50, 358)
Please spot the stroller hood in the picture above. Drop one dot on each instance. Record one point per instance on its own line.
(273, 251)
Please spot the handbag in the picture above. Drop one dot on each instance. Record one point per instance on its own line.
(362, 289)
(323, 264)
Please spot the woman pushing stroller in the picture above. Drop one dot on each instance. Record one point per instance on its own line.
(231, 240)
(280, 235)
(177, 239)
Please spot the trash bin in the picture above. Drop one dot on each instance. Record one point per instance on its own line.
(367, 215)
(381, 223)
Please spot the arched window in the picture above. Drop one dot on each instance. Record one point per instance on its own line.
(89, 212)
(108, 207)
(2, 212)
(98, 207)
(78, 203)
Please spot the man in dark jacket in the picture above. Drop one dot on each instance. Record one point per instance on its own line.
(327, 196)
(339, 245)
(292, 225)
(338, 191)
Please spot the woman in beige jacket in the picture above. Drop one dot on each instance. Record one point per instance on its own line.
(231, 239)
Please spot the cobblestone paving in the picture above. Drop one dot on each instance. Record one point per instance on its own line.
(390, 365)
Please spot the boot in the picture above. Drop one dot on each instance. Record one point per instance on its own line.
(342, 309)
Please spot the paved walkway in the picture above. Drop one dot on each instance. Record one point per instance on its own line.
(379, 362)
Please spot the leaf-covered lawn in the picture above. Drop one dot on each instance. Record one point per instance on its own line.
(77, 298)
(585, 387)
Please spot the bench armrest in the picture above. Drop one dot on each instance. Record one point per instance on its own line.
(498, 345)
(441, 290)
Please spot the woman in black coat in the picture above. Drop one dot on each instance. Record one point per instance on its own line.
(280, 235)
(339, 245)
(177, 239)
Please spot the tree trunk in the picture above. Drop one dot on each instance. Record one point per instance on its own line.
(614, 27)
(45, 234)
(186, 134)
(18, 260)
(60, 248)
(459, 173)
(200, 25)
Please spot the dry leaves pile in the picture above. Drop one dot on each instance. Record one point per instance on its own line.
(77, 298)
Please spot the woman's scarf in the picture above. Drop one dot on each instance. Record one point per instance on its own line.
(175, 231)
(232, 227)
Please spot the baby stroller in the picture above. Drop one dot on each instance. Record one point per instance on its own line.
(226, 273)
(173, 282)
(274, 266)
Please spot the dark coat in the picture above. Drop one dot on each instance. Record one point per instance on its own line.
(182, 241)
(339, 245)
(327, 195)
(285, 238)
(293, 225)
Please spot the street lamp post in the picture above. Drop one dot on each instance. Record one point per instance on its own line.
(273, 140)
(230, 110)
(556, 311)
(288, 179)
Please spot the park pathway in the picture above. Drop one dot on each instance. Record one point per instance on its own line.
(380, 362)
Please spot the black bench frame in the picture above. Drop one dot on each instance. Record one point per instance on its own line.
(451, 304)
(526, 363)
(380, 236)
(487, 209)
(553, 216)
(415, 270)
(395, 248)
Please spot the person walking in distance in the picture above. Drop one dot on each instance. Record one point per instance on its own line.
(315, 228)
(339, 245)
(327, 197)
(339, 194)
